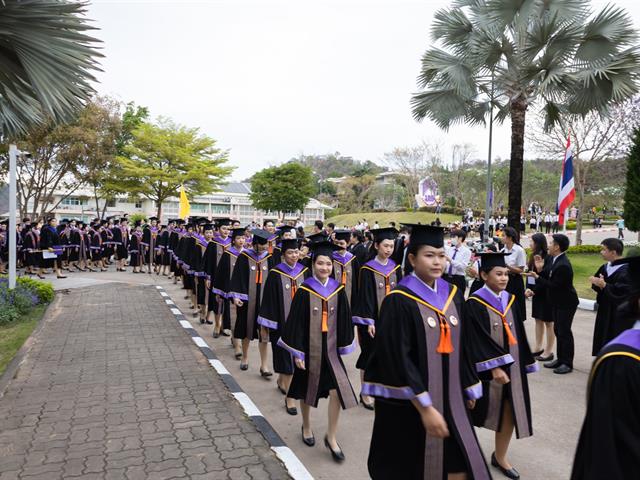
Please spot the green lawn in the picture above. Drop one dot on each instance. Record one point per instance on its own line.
(585, 265)
(351, 219)
(12, 336)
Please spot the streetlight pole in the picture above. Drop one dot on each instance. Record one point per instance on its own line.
(487, 211)
(13, 159)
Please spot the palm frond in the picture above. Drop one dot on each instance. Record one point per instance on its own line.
(448, 70)
(451, 27)
(46, 59)
(607, 32)
(443, 107)
(575, 11)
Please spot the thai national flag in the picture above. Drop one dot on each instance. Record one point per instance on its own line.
(567, 186)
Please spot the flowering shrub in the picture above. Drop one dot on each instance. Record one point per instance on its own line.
(26, 295)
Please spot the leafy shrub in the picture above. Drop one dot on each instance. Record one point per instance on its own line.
(633, 251)
(584, 249)
(8, 314)
(44, 290)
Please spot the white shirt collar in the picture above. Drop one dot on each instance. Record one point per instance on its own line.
(557, 257)
(323, 284)
(497, 295)
(434, 289)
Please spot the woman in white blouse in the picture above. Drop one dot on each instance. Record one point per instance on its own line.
(516, 262)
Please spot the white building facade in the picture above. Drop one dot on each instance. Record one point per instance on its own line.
(232, 201)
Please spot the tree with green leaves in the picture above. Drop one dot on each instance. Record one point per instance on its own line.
(632, 191)
(554, 56)
(46, 59)
(282, 189)
(161, 157)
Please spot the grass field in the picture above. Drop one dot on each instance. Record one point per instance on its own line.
(351, 219)
(12, 336)
(585, 265)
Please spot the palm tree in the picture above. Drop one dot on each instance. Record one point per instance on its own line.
(46, 60)
(553, 55)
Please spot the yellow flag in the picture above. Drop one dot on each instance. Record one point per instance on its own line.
(185, 208)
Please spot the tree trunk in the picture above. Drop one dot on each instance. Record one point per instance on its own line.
(159, 212)
(518, 110)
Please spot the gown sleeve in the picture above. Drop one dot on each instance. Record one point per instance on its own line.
(483, 352)
(209, 261)
(345, 334)
(295, 334)
(240, 279)
(365, 305)
(393, 370)
(269, 315)
(221, 280)
(595, 288)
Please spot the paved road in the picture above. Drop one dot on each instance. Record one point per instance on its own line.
(558, 405)
(113, 388)
(594, 237)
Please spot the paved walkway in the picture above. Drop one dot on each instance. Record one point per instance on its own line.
(112, 388)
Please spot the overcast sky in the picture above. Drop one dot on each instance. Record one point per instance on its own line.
(270, 79)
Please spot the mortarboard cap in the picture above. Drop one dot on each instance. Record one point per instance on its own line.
(317, 237)
(223, 222)
(426, 235)
(208, 226)
(137, 223)
(387, 233)
(289, 244)
(324, 247)
(343, 234)
(151, 219)
(488, 260)
(238, 232)
(260, 236)
(5, 222)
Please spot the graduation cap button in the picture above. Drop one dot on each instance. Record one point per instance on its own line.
(253, 267)
(453, 320)
(431, 322)
(287, 286)
(381, 284)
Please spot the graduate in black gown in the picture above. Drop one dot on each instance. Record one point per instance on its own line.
(215, 250)
(609, 443)
(420, 374)
(200, 274)
(247, 284)
(318, 331)
(221, 284)
(164, 256)
(491, 317)
(149, 240)
(376, 279)
(345, 264)
(279, 290)
(50, 243)
(135, 247)
(611, 284)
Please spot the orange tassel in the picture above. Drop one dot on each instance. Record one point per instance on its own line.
(444, 345)
(344, 277)
(270, 248)
(325, 317)
(510, 337)
(258, 274)
(294, 288)
(387, 287)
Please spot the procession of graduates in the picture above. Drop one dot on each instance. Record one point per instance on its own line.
(434, 363)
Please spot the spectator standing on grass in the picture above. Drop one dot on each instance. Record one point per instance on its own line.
(558, 280)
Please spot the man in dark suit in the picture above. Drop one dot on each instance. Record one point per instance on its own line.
(557, 278)
(358, 247)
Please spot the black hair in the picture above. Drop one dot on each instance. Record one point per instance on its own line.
(264, 224)
(460, 234)
(613, 244)
(319, 224)
(512, 234)
(562, 241)
(331, 225)
(540, 248)
(357, 234)
(393, 224)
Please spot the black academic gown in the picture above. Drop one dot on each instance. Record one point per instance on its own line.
(212, 258)
(247, 284)
(609, 443)
(199, 275)
(608, 299)
(374, 281)
(484, 321)
(221, 286)
(31, 245)
(279, 290)
(49, 238)
(320, 342)
(135, 249)
(409, 364)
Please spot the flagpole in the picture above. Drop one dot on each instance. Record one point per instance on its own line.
(487, 211)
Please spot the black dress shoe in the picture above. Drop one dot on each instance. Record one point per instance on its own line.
(265, 374)
(238, 356)
(216, 334)
(282, 390)
(337, 455)
(562, 369)
(510, 473)
(368, 406)
(208, 322)
(548, 358)
(554, 364)
(290, 410)
(537, 352)
(309, 442)
(225, 334)
(244, 366)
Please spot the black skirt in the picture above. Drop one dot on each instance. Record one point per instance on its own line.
(540, 308)
(516, 288)
(298, 388)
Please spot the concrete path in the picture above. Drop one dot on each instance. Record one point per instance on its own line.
(113, 388)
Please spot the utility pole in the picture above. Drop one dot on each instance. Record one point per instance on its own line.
(13, 193)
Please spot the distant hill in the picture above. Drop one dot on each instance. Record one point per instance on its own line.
(334, 165)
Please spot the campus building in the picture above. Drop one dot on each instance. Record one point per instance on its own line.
(232, 201)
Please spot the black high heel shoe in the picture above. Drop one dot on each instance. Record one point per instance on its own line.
(338, 455)
(310, 441)
(290, 410)
(265, 374)
(507, 472)
(368, 406)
